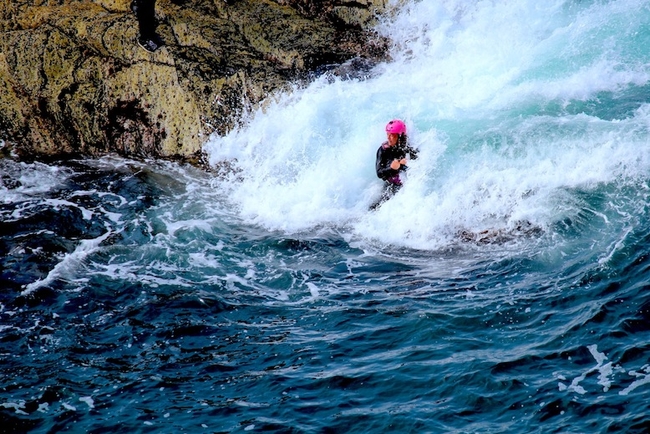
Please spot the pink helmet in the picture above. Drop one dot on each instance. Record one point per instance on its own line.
(396, 127)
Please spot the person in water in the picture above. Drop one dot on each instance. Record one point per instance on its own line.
(391, 159)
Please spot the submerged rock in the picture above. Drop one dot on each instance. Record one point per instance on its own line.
(73, 80)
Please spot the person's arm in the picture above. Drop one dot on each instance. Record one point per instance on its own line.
(383, 165)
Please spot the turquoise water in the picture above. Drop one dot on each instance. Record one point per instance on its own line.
(503, 289)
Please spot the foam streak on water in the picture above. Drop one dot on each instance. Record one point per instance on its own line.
(503, 289)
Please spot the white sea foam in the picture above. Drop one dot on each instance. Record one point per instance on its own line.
(643, 379)
(17, 406)
(88, 400)
(606, 375)
(69, 263)
(487, 91)
(31, 180)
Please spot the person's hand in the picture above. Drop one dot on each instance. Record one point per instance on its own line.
(395, 164)
(402, 162)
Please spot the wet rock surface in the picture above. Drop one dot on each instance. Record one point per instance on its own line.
(74, 82)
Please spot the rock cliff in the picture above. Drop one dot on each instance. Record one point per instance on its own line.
(73, 80)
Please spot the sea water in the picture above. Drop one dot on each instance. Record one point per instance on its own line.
(503, 289)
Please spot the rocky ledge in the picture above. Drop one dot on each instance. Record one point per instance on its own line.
(74, 82)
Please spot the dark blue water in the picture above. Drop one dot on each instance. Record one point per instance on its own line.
(220, 327)
(506, 288)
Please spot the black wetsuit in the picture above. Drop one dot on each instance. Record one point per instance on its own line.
(385, 155)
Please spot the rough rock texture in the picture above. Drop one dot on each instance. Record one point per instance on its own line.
(73, 80)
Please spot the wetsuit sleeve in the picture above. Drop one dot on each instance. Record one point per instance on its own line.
(382, 164)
